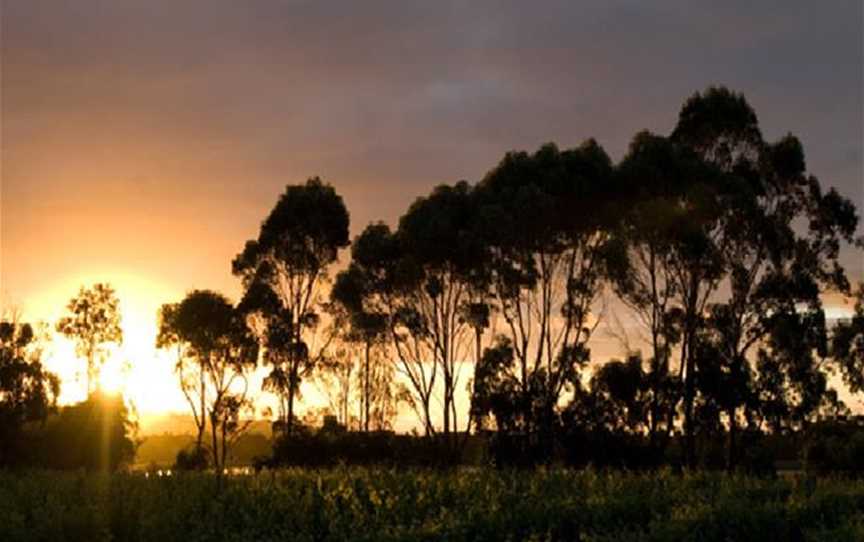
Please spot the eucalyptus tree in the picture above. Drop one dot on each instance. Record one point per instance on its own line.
(93, 322)
(211, 333)
(444, 252)
(283, 272)
(379, 282)
(778, 235)
(417, 284)
(665, 194)
(545, 220)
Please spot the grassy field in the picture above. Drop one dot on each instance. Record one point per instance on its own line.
(362, 504)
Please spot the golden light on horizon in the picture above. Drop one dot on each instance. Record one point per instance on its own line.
(136, 369)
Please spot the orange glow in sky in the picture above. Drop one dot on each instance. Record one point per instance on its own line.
(142, 143)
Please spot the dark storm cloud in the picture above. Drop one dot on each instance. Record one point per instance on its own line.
(388, 98)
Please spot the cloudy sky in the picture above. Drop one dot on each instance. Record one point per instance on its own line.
(144, 141)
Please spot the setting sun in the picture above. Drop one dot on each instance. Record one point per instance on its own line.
(136, 369)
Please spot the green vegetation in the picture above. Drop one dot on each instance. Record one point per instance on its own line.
(359, 504)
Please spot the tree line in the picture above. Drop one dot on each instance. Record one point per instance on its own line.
(717, 244)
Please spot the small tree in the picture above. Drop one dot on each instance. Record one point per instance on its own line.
(212, 333)
(336, 376)
(28, 393)
(176, 331)
(93, 322)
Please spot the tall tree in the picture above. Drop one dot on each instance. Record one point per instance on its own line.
(545, 223)
(93, 322)
(665, 191)
(778, 236)
(28, 392)
(283, 271)
(380, 283)
(444, 251)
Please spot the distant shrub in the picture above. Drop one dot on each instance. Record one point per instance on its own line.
(192, 458)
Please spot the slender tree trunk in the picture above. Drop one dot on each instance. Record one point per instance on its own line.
(289, 423)
(213, 433)
(447, 399)
(689, 396)
(688, 361)
(427, 415)
(203, 425)
(366, 390)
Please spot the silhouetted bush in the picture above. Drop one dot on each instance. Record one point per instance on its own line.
(95, 434)
(834, 448)
(193, 458)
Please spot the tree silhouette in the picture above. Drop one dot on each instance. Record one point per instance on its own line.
(214, 334)
(28, 393)
(545, 222)
(771, 267)
(93, 322)
(177, 329)
(443, 249)
(282, 273)
(378, 283)
(651, 244)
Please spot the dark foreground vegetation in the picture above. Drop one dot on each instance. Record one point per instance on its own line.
(359, 504)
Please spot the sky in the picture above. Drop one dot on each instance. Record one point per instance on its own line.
(142, 142)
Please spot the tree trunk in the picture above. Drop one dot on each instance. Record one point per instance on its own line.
(447, 400)
(688, 362)
(215, 441)
(366, 391)
(689, 396)
(203, 425)
(289, 423)
(427, 415)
